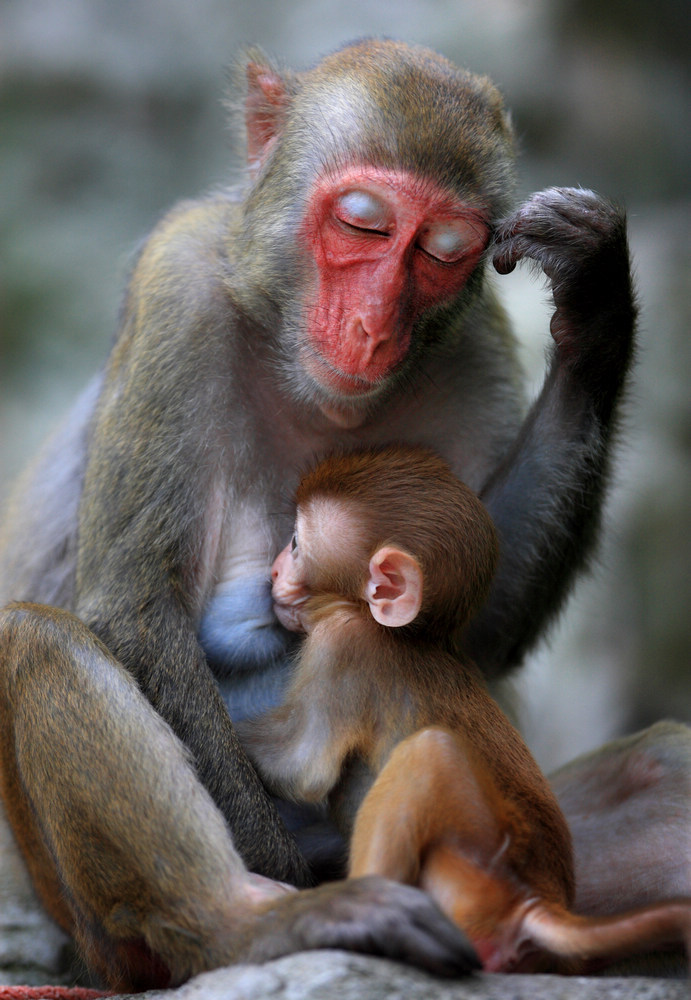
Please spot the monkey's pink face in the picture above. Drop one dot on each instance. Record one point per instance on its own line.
(327, 532)
(387, 246)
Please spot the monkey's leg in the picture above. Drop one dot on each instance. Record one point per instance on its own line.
(95, 779)
(154, 889)
(427, 790)
(434, 818)
(590, 943)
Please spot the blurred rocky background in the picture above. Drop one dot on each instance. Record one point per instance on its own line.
(110, 111)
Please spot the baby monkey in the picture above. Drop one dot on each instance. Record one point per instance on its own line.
(385, 723)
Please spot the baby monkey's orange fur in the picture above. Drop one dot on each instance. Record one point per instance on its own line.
(387, 724)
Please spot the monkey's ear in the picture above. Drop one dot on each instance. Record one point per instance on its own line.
(394, 587)
(265, 107)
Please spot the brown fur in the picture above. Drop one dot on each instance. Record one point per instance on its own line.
(457, 804)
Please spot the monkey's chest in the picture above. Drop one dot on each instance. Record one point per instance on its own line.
(244, 644)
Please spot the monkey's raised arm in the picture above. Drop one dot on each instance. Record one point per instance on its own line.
(546, 496)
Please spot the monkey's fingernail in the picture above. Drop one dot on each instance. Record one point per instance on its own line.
(503, 265)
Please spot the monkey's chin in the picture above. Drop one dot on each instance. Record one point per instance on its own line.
(345, 417)
(349, 410)
(289, 616)
(345, 398)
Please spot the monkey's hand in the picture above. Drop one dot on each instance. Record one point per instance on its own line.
(579, 241)
(369, 915)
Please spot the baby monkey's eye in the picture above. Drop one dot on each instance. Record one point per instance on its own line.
(293, 543)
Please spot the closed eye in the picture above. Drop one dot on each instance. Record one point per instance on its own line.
(445, 242)
(351, 227)
(363, 212)
(435, 259)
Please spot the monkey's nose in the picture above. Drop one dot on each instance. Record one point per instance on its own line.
(378, 346)
(371, 333)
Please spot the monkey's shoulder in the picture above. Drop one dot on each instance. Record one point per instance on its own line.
(188, 245)
(197, 220)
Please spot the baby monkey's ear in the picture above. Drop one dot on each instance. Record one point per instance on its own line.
(394, 587)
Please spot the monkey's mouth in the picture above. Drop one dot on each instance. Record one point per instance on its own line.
(337, 382)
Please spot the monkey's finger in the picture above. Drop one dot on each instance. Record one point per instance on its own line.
(547, 216)
(543, 251)
(369, 915)
(557, 228)
(431, 941)
(402, 923)
(503, 264)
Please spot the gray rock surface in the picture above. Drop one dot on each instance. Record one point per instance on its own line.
(335, 975)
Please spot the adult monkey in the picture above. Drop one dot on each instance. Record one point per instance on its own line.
(340, 300)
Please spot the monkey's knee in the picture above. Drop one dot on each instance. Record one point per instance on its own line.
(15, 630)
(433, 746)
(36, 636)
(20, 617)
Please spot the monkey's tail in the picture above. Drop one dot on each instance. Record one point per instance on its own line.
(590, 942)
